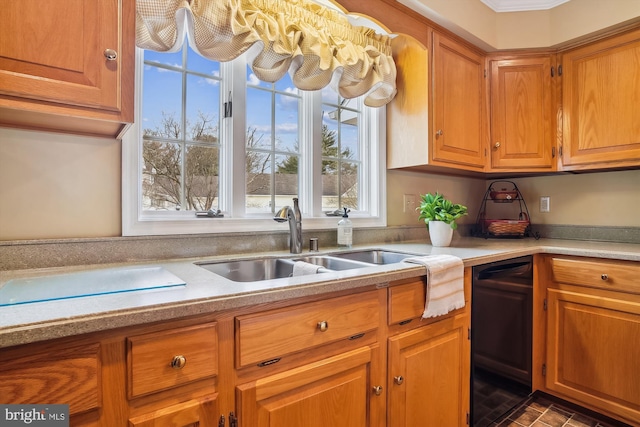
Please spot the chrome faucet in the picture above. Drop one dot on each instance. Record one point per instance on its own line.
(294, 217)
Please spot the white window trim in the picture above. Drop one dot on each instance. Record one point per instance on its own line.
(136, 222)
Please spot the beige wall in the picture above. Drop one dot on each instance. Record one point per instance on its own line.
(58, 186)
(606, 198)
(466, 191)
(479, 24)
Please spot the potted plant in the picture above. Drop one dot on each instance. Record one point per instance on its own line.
(440, 215)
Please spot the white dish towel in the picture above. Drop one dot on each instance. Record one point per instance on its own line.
(445, 283)
(301, 268)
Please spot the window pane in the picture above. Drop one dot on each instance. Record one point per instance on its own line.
(258, 178)
(286, 177)
(203, 109)
(330, 193)
(201, 177)
(349, 195)
(161, 175)
(349, 145)
(258, 119)
(286, 119)
(162, 102)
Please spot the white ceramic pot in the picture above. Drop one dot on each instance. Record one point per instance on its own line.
(440, 233)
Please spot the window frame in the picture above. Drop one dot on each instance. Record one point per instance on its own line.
(372, 190)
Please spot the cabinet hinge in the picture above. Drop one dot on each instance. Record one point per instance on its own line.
(467, 418)
(544, 370)
(544, 305)
(469, 334)
(560, 70)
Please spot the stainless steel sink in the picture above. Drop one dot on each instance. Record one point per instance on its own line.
(375, 256)
(333, 263)
(252, 270)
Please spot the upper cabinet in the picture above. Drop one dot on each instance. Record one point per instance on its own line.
(522, 121)
(601, 95)
(437, 118)
(67, 65)
(458, 125)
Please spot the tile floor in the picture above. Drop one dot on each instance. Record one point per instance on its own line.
(502, 403)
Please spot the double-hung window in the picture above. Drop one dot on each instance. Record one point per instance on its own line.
(214, 149)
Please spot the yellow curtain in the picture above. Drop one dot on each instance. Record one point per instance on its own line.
(316, 45)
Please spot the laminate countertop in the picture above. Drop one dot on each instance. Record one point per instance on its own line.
(206, 292)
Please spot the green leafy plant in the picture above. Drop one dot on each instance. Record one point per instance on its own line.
(434, 207)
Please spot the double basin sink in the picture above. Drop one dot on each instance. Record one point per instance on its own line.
(253, 270)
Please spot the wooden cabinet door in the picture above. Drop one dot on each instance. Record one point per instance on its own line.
(458, 131)
(332, 392)
(429, 375)
(593, 349)
(54, 65)
(408, 112)
(601, 94)
(522, 132)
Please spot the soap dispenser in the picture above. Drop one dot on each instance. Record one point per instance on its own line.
(345, 231)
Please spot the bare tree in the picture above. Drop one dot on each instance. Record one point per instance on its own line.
(166, 160)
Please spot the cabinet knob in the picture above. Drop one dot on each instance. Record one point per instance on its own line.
(178, 362)
(497, 144)
(323, 326)
(110, 54)
(604, 276)
(398, 380)
(377, 390)
(439, 132)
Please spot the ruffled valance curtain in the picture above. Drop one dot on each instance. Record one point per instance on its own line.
(316, 45)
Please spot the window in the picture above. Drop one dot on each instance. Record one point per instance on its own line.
(211, 137)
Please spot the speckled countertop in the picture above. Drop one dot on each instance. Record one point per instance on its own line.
(206, 292)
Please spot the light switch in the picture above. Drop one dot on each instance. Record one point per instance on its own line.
(544, 203)
(409, 203)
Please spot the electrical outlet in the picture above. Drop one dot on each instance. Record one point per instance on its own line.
(409, 203)
(544, 203)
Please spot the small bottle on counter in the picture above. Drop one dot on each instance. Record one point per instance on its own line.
(345, 231)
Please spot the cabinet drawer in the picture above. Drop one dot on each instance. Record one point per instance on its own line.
(272, 334)
(604, 274)
(62, 375)
(407, 301)
(154, 359)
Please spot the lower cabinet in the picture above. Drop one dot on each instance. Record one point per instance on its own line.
(320, 361)
(331, 392)
(593, 334)
(429, 371)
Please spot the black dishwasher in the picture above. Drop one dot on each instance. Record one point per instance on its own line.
(501, 321)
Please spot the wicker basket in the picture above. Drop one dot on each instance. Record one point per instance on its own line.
(506, 227)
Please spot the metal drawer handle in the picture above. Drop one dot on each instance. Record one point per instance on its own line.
(110, 54)
(398, 380)
(377, 390)
(604, 276)
(323, 326)
(178, 362)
